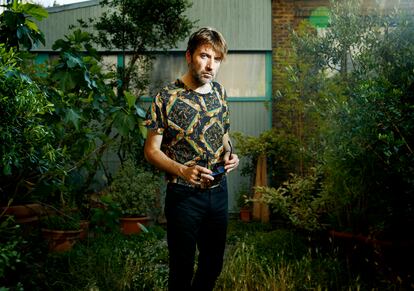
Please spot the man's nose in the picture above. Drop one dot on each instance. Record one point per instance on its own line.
(209, 64)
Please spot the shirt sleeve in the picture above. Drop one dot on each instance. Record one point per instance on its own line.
(155, 119)
(226, 113)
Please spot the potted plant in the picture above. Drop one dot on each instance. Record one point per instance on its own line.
(135, 190)
(61, 229)
(245, 205)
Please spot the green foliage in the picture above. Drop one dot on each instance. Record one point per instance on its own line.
(278, 244)
(346, 97)
(281, 260)
(135, 189)
(280, 149)
(61, 221)
(298, 201)
(17, 28)
(21, 254)
(28, 153)
(368, 158)
(9, 249)
(243, 197)
(141, 27)
(90, 119)
(124, 263)
(105, 219)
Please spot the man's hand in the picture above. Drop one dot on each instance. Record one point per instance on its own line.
(196, 174)
(230, 162)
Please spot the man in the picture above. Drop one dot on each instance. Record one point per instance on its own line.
(188, 138)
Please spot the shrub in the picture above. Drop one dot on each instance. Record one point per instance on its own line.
(28, 154)
(297, 201)
(135, 190)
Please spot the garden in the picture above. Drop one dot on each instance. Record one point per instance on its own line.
(340, 156)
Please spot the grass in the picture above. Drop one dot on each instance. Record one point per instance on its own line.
(280, 260)
(258, 257)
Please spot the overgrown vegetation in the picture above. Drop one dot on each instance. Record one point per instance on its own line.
(344, 107)
(111, 261)
(258, 257)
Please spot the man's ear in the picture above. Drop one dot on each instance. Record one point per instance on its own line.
(188, 57)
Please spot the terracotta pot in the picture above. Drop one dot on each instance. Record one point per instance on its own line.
(84, 225)
(245, 214)
(61, 240)
(130, 225)
(25, 213)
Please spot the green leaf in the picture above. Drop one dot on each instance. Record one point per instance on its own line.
(73, 117)
(143, 130)
(7, 170)
(34, 10)
(140, 111)
(65, 80)
(124, 123)
(31, 25)
(73, 61)
(130, 99)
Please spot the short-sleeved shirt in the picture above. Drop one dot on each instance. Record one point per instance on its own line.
(192, 124)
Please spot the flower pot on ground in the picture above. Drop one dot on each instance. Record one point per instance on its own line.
(131, 225)
(60, 240)
(245, 204)
(245, 214)
(61, 231)
(135, 190)
(24, 213)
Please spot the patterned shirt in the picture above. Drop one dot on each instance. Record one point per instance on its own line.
(192, 125)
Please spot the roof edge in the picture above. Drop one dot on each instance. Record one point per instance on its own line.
(72, 6)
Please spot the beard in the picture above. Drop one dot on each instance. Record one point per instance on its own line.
(201, 77)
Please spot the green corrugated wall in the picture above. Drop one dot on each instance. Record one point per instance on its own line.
(245, 23)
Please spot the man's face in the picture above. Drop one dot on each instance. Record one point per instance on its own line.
(204, 64)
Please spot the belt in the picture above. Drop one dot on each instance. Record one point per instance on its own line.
(211, 184)
(204, 186)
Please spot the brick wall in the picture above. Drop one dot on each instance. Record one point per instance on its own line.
(286, 15)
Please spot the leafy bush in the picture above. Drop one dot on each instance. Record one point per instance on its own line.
(298, 201)
(9, 251)
(135, 190)
(105, 218)
(21, 256)
(281, 152)
(28, 153)
(368, 159)
(357, 105)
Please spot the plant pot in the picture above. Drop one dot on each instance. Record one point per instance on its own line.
(25, 213)
(245, 214)
(61, 240)
(84, 225)
(130, 225)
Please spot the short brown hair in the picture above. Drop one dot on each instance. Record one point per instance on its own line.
(207, 35)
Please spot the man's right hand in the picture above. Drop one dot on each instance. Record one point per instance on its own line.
(196, 174)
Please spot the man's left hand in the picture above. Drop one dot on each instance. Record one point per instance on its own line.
(230, 163)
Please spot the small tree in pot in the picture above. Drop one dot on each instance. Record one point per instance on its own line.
(135, 190)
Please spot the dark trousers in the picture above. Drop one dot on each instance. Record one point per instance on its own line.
(196, 218)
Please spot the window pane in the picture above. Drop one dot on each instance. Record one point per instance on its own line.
(242, 74)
